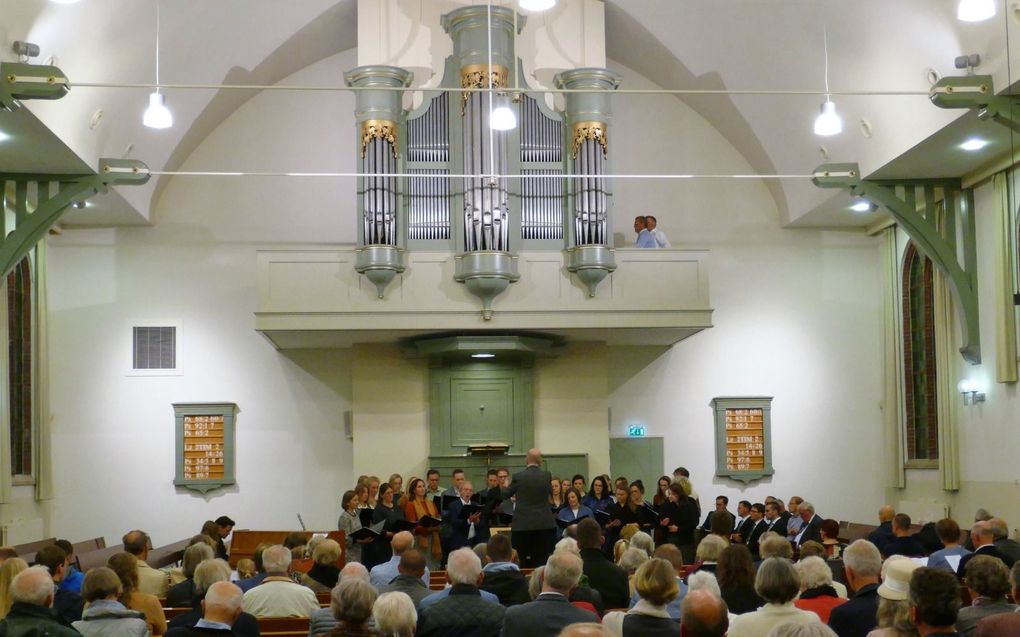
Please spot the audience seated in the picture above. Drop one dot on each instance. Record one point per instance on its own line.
(260, 572)
(394, 612)
(410, 569)
(988, 580)
(884, 532)
(353, 609)
(503, 578)
(278, 595)
(221, 610)
(324, 619)
(150, 580)
(464, 612)
(934, 601)
(811, 527)
(73, 578)
(207, 574)
(106, 616)
(1003, 543)
(324, 573)
(585, 630)
(735, 573)
(182, 594)
(31, 613)
(703, 615)
(901, 542)
(893, 605)
(551, 610)
(816, 591)
(67, 603)
(862, 564)
(983, 539)
(708, 552)
(1004, 624)
(383, 574)
(801, 630)
(656, 585)
(630, 561)
(125, 566)
(776, 582)
(8, 570)
(948, 558)
(607, 578)
(774, 521)
(245, 568)
(674, 556)
(774, 545)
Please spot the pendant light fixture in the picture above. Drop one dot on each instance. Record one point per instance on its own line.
(828, 122)
(537, 5)
(157, 115)
(975, 10)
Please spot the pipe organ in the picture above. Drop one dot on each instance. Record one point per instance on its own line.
(507, 188)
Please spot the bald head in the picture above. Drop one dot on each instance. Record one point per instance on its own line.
(354, 570)
(703, 615)
(401, 542)
(534, 456)
(886, 514)
(585, 630)
(34, 586)
(982, 534)
(222, 603)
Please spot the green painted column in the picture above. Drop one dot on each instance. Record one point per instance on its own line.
(378, 116)
(588, 115)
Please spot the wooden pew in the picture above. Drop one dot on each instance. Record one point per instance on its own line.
(324, 598)
(283, 626)
(174, 612)
(85, 546)
(92, 559)
(167, 555)
(32, 547)
(243, 543)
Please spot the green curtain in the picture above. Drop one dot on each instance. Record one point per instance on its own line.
(946, 357)
(41, 417)
(1005, 317)
(892, 364)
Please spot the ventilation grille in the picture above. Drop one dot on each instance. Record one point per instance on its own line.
(154, 348)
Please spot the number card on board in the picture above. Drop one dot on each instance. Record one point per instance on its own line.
(205, 445)
(743, 437)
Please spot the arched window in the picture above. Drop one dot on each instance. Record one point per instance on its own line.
(19, 356)
(922, 422)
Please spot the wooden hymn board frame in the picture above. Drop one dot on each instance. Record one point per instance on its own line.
(743, 437)
(205, 445)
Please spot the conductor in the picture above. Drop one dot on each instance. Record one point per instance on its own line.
(533, 531)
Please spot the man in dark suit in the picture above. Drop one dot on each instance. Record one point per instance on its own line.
(883, 533)
(1003, 543)
(551, 611)
(533, 531)
(466, 530)
(863, 565)
(983, 538)
(720, 507)
(773, 519)
(607, 578)
(811, 529)
(757, 528)
(220, 609)
(743, 525)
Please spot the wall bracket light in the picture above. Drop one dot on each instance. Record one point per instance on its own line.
(972, 393)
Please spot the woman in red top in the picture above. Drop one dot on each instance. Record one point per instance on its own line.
(816, 592)
(416, 507)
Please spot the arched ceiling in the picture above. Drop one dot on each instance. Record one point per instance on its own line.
(874, 45)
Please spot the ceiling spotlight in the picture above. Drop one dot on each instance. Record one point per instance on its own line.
(862, 205)
(64, 1)
(828, 122)
(975, 10)
(974, 144)
(483, 355)
(503, 118)
(79, 204)
(537, 5)
(4, 136)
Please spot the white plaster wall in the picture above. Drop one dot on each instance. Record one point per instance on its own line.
(113, 433)
(797, 317)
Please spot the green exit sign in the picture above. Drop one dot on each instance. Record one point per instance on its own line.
(638, 431)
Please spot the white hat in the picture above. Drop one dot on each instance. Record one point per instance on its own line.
(896, 578)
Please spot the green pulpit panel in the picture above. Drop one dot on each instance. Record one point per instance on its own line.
(482, 410)
(474, 403)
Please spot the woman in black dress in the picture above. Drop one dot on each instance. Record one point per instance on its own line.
(387, 511)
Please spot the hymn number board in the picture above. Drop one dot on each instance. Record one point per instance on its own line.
(743, 431)
(205, 445)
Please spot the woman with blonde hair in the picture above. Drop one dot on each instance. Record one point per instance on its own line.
(125, 566)
(11, 567)
(106, 616)
(656, 586)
